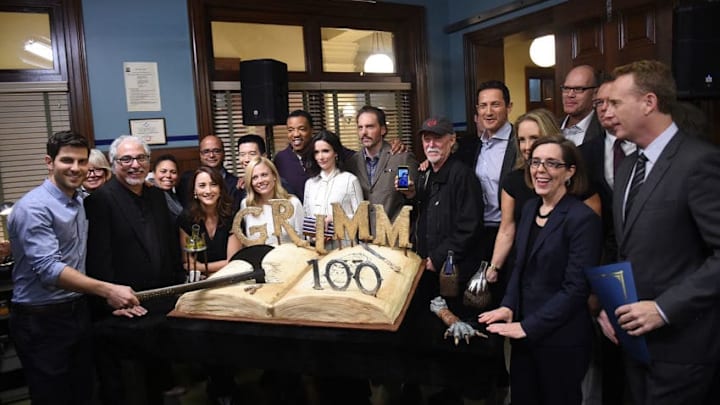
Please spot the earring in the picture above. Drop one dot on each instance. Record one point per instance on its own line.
(195, 196)
(567, 182)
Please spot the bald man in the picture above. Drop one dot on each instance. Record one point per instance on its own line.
(578, 90)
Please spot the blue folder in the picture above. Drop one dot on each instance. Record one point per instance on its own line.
(615, 286)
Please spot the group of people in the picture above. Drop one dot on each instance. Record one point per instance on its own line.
(620, 180)
(107, 229)
(617, 180)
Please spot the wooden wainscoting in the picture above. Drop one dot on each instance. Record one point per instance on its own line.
(188, 158)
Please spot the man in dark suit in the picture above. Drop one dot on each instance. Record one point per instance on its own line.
(667, 221)
(491, 155)
(212, 154)
(376, 167)
(131, 240)
(578, 90)
(603, 154)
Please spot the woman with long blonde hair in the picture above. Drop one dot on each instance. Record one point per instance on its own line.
(264, 185)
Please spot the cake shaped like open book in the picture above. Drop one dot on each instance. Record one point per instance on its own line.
(290, 295)
(364, 286)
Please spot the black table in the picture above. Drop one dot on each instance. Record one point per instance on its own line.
(416, 352)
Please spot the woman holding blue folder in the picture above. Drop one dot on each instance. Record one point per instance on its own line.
(544, 310)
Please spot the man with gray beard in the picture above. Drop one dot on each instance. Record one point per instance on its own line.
(449, 204)
(131, 240)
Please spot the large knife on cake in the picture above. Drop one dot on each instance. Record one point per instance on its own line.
(250, 254)
(214, 282)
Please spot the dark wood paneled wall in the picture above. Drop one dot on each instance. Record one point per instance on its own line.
(630, 33)
(585, 34)
(188, 158)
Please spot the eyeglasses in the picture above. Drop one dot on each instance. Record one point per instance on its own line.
(96, 172)
(548, 163)
(576, 90)
(216, 151)
(127, 160)
(599, 102)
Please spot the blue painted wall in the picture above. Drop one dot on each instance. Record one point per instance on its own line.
(158, 31)
(139, 31)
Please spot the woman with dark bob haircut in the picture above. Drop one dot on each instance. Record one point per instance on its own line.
(544, 311)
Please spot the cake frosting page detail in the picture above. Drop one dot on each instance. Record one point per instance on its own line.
(358, 286)
(332, 292)
(332, 303)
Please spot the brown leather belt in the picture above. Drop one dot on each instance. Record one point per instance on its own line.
(63, 307)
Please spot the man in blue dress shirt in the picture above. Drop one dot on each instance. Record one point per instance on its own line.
(49, 318)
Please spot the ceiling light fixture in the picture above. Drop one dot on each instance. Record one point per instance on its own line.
(542, 51)
(348, 113)
(378, 61)
(39, 48)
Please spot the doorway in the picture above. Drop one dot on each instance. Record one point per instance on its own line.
(540, 88)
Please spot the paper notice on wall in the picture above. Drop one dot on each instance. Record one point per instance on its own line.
(142, 86)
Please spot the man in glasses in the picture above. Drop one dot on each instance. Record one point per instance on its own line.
(212, 154)
(133, 241)
(578, 90)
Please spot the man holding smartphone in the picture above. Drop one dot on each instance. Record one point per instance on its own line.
(376, 167)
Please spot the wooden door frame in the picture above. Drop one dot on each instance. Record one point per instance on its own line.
(474, 44)
(407, 21)
(68, 35)
(548, 21)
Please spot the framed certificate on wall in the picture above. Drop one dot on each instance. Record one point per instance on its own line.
(152, 130)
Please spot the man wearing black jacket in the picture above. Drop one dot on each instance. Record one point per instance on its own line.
(448, 199)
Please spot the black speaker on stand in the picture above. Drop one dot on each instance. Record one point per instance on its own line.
(696, 60)
(264, 89)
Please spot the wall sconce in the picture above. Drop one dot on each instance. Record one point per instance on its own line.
(378, 61)
(542, 51)
(348, 114)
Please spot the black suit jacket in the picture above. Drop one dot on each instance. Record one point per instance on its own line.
(672, 238)
(548, 290)
(593, 153)
(118, 249)
(594, 129)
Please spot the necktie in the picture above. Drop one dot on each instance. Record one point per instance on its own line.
(637, 180)
(618, 154)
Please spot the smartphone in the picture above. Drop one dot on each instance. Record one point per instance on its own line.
(403, 173)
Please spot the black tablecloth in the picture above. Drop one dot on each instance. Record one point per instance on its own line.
(415, 352)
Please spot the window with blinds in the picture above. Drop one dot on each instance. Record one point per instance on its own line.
(29, 114)
(334, 110)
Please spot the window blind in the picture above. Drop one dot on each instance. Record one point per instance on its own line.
(330, 108)
(29, 114)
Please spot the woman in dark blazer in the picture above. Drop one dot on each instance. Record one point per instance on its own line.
(545, 308)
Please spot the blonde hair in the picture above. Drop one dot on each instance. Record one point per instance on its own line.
(279, 191)
(547, 124)
(98, 160)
